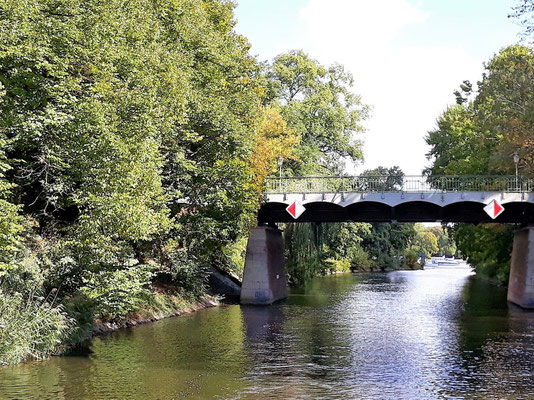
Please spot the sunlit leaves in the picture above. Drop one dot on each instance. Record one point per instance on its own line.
(319, 105)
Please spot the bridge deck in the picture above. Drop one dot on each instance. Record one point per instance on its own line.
(403, 199)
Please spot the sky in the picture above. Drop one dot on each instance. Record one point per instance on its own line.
(407, 58)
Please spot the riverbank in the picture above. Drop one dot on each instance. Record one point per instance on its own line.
(34, 329)
(168, 306)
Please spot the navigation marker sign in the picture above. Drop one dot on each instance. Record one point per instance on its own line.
(494, 209)
(295, 209)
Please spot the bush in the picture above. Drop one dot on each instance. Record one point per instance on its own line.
(337, 265)
(410, 259)
(183, 270)
(30, 327)
(386, 261)
(116, 293)
(236, 253)
(360, 260)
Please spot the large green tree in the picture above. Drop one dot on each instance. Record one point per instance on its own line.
(479, 135)
(318, 104)
(130, 127)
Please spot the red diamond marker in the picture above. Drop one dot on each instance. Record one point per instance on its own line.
(295, 209)
(494, 209)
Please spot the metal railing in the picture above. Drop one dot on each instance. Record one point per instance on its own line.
(418, 184)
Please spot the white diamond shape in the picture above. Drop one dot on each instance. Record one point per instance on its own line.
(295, 209)
(491, 209)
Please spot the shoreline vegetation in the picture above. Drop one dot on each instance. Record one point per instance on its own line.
(135, 140)
(170, 306)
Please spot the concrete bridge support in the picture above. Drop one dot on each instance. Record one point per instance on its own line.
(264, 277)
(521, 284)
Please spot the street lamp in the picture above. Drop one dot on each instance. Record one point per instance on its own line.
(516, 161)
(280, 162)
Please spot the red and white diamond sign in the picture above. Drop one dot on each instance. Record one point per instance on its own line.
(295, 209)
(494, 209)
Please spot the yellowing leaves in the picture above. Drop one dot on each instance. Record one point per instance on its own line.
(273, 139)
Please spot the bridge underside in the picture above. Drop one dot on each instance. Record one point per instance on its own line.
(387, 207)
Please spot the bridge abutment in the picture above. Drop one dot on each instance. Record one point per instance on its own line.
(264, 276)
(521, 283)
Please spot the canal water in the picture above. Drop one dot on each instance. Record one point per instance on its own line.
(437, 333)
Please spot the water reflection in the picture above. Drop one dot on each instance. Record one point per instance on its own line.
(437, 333)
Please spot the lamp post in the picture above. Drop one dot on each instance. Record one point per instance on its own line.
(516, 161)
(280, 162)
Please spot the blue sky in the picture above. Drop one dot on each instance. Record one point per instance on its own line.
(407, 57)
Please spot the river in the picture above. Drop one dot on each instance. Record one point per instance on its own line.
(437, 333)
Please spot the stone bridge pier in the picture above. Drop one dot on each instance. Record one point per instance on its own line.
(264, 277)
(521, 283)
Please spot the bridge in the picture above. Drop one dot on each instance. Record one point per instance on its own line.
(388, 199)
(399, 198)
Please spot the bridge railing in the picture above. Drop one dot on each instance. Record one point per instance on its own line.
(407, 183)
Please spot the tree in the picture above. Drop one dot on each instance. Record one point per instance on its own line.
(383, 179)
(446, 244)
(425, 243)
(318, 104)
(130, 130)
(479, 136)
(273, 139)
(11, 224)
(387, 242)
(524, 12)
(487, 248)
(320, 109)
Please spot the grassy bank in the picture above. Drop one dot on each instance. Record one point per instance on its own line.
(164, 305)
(33, 327)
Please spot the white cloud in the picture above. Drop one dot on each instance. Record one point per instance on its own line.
(356, 19)
(407, 86)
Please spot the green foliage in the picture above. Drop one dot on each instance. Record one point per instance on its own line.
(318, 104)
(335, 265)
(183, 270)
(314, 250)
(383, 179)
(304, 257)
(479, 135)
(387, 242)
(236, 253)
(457, 145)
(360, 260)
(488, 248)
(30, 327)
(110, 135)
(446, 244)
(410, 258)
(116, 293)
(425, 243)
(11, 223)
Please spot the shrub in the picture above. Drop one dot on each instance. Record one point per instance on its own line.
(410, 259)
(183, 269)
(116, 293)
(30, 327)
(360, 260)
(337, 265)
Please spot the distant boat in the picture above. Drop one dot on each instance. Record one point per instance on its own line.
(444, 261)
